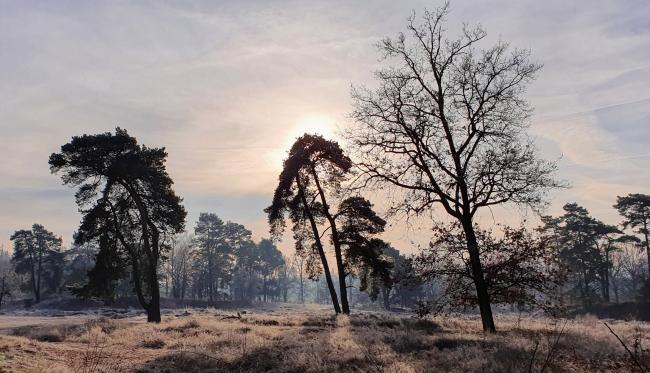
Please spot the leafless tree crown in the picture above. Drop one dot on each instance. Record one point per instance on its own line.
(448, 122)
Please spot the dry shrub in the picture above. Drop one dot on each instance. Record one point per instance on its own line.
(322, 321)
(154, 343)
(96, 355)
(106, 325)
(191, 324)
(48, 333)
(268, 322)
(424, 325)
(183, 361)
(405, 343)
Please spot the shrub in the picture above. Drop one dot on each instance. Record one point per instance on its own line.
(155, 343)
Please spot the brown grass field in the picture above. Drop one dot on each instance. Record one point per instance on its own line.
(311, 339)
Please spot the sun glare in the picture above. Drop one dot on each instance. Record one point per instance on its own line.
(314, 125)
(310, 124)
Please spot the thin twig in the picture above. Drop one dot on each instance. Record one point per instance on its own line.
(532, 358)
(551, 351)
(638, 364)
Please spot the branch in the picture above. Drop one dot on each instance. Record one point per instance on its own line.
(638, 364)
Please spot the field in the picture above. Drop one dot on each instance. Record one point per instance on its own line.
(310, 339)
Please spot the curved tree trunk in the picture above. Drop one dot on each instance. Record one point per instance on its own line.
(319, 247)
(337, 245)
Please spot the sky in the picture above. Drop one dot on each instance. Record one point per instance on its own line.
(225, 86)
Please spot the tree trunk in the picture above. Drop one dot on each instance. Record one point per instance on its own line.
(587, 298)
(210, 279)
(153, 311)
(319, 247)
(33, 272)
(264, 287)
(606, 277)
(479, 279)
(647, 243)
(328, 278)
(302, 291)
(343, 289)
(342, 285)
(37, 293)
(385, 293)
(3, 289)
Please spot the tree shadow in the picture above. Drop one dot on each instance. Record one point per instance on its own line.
(184, 361)
(277, 356)
(425, 344)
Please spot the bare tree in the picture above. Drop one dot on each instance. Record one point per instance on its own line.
(635, 208)
(448, 124)
(7, 275)
(298, 266)
(627, 271)
(632, 265)
(178, 267)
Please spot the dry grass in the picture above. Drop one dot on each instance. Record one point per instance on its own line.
(312, 340)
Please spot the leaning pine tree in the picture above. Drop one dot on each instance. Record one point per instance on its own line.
(447, 125)
(314, 166)
(129, 210)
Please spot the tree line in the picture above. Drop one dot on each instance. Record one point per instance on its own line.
(218, 261)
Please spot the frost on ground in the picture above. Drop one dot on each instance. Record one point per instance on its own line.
(310, 339)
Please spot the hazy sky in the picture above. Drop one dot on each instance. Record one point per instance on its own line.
(226, 85)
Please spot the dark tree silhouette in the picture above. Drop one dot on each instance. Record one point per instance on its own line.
(246, 267)
(447, 126)
(298, 265)
(217, 242)
(37, 252)
(363, 254)
(584, 245)
(79, 260)
(312, 166)
(7, 276)
(129, 209)
(178, 265)
(572, 235)
(635, 208)
(270, 261)
(608, 239)
(395, 277)
(208, 234)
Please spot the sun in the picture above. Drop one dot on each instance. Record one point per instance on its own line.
(314, 124)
